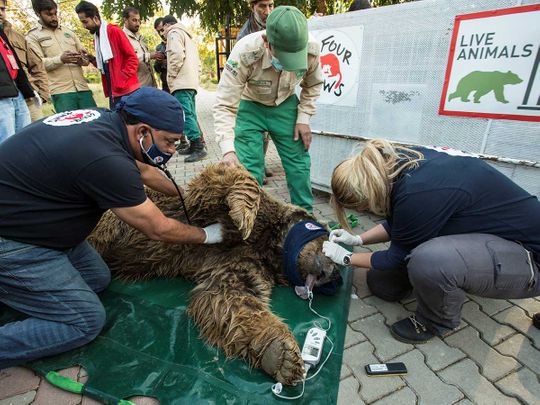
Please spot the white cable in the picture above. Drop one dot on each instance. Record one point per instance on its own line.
(310, 297)
(276, 388)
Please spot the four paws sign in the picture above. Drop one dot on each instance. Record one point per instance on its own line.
(493, 66)
(340, 64)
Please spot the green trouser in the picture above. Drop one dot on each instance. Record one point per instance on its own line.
(252, 120)
(187, 100)
(73, 101)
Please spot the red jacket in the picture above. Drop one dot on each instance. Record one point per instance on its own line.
(123, 66)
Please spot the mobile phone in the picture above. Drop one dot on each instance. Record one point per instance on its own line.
(383, 369)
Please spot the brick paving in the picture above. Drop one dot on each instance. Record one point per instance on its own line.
(493, 358)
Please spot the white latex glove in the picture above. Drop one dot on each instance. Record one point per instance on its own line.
(214, 234)
(342, 236)
(335, 252)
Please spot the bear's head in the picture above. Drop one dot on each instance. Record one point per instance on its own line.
(314, 266)
(511, 78)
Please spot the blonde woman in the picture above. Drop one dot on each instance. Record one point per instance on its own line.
(455, 224)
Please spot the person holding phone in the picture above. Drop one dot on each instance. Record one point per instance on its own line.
(63, 57)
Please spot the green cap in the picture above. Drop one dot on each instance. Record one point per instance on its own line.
(287, 32)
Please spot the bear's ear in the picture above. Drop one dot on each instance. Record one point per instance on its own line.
(243, 199)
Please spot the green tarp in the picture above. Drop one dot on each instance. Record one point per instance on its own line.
(150, 347)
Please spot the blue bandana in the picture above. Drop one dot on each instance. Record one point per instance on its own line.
(300, 234)
(154, 107)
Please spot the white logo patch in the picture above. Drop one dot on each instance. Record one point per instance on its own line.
(74, 117)
(451, 151)
(312, 227)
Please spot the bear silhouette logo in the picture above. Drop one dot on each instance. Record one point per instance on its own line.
(483, 83)
(331, 68)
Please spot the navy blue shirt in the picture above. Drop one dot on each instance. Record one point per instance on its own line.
(450, 195)
(58, 176)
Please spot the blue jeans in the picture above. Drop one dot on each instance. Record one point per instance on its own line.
(57, 289)
(14, 116)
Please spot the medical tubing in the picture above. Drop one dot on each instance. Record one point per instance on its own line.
(169, 175)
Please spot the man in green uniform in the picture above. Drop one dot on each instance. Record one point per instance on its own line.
(256, 93)
(63, 55)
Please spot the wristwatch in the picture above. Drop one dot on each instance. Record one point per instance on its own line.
(347, 259)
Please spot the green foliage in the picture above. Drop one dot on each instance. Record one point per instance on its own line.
(112, 9)
(92, 76)
(215, 14)
(380, 3)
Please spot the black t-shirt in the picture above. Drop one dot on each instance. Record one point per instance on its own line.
(58, 176)
(451, 195)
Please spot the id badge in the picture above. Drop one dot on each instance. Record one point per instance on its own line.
(12, 61)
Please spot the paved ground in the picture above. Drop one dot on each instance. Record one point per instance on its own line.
(493, 358)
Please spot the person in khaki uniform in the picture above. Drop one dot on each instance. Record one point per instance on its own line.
(63, 55)
(33, 68)
(183, 79)
(260, 10)
(132, 23)
(256, 93)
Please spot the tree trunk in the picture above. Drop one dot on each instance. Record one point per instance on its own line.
(321, 6)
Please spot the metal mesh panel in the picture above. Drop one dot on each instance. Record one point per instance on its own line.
(408, 45)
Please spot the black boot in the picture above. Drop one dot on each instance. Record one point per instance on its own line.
(198, 151)
(183, 147)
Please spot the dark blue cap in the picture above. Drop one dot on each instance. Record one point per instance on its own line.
(154, 107)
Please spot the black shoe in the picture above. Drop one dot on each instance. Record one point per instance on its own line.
(196, 156)
(186, 149)
(198, 152)
(536, 320)
(182, 147)
(410, 330)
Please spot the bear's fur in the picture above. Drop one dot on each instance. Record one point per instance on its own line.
(230, 303)
(482, 83)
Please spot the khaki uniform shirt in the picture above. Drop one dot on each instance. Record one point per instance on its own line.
(30, 60)
(50, 45)
(183, 62)
(249, 75)
(144, 71)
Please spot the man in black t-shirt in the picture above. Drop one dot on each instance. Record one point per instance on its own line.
(57, 177)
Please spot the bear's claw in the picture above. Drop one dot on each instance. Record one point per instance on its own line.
(282, 360)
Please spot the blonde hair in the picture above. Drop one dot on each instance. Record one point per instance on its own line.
(364, 181)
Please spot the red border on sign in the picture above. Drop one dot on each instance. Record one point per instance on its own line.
(474, 16)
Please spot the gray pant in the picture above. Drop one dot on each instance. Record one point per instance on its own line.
(443, 269)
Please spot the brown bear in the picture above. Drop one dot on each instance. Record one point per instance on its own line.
(230, 304)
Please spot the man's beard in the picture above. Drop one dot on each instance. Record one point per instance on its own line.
(259, 20)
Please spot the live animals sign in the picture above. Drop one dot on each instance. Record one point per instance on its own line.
(493, 66)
